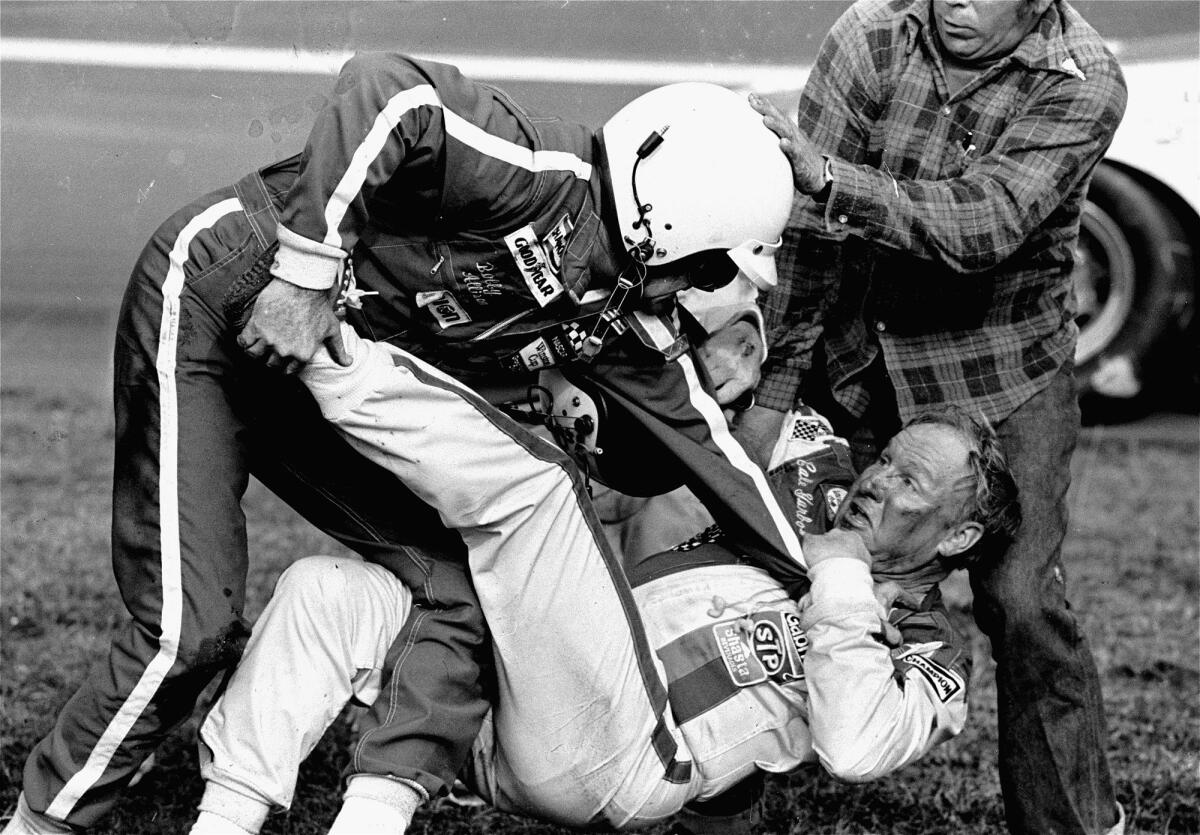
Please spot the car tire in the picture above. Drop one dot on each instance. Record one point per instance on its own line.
(1133, 265)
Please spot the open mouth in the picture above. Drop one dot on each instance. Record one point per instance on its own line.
(855, 516)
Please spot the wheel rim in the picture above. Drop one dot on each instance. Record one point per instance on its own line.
(1104, 279)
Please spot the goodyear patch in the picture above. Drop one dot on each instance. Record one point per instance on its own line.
(945, 681)
(540, 276)
(444, 308)
(761, 646)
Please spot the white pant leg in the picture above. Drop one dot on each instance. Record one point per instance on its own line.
(320, 641)
(582, 701)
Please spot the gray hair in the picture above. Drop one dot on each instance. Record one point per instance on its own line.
(994, 503)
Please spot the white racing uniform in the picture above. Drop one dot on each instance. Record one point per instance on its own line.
(754, 681)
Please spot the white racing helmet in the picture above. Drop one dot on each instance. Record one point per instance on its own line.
(695, 172)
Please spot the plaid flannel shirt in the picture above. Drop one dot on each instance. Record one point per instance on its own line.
(947, 238)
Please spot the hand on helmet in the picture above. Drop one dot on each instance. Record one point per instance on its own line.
(808, 165)
(733, 357)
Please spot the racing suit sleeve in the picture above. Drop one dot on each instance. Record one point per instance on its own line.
(380, 149)
(873, 709)
(665, 395)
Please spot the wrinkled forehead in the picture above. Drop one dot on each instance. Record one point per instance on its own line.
(937, 450)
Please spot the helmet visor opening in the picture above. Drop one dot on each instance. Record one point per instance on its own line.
(709, 270)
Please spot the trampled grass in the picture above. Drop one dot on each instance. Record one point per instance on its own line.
(1133, 575)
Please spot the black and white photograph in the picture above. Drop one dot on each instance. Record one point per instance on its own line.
(699, 417)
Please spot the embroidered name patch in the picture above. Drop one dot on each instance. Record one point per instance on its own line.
(541, 277)
(444, 307)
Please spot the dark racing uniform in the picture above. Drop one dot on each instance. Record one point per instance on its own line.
(475, 223)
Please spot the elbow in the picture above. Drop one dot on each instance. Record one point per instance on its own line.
(982, 252)
(853, 771)
(364, 64)
(857, 762)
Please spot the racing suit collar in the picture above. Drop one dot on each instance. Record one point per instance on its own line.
(609, 258)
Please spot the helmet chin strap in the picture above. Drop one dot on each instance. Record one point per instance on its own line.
(631, 283)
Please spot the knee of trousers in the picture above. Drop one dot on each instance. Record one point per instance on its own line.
(319, 581)
(215, 644)
(1028, 618)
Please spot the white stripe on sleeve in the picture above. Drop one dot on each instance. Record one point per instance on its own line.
(464, 131)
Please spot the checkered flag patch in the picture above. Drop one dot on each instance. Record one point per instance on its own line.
(709, 535)
(807, 434)
(575, 336)
(809, 428)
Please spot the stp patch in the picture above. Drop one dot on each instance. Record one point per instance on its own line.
(761, 646)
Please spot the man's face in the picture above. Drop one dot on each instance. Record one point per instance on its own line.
(908, 503)
(978, 31)
(733, 357)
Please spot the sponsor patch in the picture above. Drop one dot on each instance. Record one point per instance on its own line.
(945, 681)
(444, 308)
(536, 354)
(743, 667)
(798, 637)
(540, 276)
(761, 646)
(555, 242)
(833, 499)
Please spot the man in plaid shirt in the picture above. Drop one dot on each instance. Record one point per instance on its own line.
(943, 152)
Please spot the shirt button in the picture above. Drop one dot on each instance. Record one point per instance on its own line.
(843, 219)
(880, 326)
(946, 110)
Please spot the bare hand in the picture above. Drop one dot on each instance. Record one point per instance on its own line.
(733, 357)
(289, 324)
(757, 430)
(889, 592)
(808, 166)
(835, 543)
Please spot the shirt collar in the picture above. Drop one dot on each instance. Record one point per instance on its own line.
(1045, 48)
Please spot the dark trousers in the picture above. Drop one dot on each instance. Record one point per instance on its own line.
(194, 419)
(1053, 769)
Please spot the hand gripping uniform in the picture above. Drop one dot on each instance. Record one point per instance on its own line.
(753, 680)
(475, 223)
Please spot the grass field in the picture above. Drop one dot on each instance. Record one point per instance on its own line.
(1133, 571)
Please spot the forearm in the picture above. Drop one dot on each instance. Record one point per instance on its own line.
(794, 312)
(986, 197)
(865, 722)
(374, 118)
